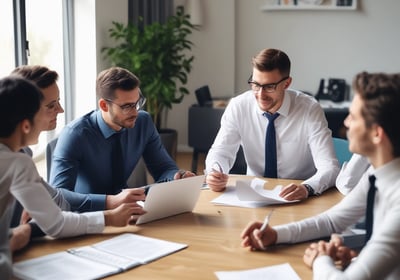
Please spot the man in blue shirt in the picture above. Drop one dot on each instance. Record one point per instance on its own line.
(84, 158)
(46, 80)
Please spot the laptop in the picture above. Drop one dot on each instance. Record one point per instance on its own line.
(171, 198)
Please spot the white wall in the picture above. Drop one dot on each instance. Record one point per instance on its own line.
(92, 20)
(321, 44)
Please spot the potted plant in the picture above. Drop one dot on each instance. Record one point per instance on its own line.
(159, 55)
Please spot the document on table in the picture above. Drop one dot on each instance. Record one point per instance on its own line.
(99, 260)
(251, 194)
(281, 271)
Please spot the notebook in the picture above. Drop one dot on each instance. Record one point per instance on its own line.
(171, 198)
(98, 260)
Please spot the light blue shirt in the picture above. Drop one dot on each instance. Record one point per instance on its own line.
(82, 159)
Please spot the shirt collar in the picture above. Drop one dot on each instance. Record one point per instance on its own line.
(105, 129)
(387, 174)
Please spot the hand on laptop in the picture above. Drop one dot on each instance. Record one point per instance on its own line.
(126, 213)
(181, 174)
(125, 196)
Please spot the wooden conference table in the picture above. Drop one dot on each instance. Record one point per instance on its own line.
(213, 235)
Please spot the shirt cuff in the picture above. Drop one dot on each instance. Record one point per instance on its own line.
(95, 222)
(284, 234)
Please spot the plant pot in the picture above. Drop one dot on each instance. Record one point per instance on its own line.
(169, 138)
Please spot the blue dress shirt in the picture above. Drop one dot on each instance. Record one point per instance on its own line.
(82, 158)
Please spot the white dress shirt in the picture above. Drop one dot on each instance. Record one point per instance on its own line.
(379, 258)
(351, 172)
(20, 180)
(304, 142)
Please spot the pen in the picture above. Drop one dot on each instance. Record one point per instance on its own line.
(266, 221)
(216, 167)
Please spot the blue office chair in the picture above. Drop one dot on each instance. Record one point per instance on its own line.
(342, 150)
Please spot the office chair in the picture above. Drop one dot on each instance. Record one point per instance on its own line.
(49, 154)
(342, 150)
(203, 96)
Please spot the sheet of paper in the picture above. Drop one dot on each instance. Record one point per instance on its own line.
(250, 194)
(281, 271)
(229, 198)
(253, 190)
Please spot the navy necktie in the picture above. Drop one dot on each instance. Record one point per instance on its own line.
(370, 207)
(270, 170)
(117, 164)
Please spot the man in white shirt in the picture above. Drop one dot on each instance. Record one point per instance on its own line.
(304, 147)
(372, 132)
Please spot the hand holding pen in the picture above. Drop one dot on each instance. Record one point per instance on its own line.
(216, 179)
(258, 235)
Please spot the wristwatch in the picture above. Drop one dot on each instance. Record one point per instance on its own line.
(310, 190)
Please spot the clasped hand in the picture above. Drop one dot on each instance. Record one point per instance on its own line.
(335, 249)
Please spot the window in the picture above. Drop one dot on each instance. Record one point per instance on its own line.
(44, 28)
(7, 60)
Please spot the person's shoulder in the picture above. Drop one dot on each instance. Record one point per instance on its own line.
(82, 120)
(304, 100)
(19, 162)
(242, 101)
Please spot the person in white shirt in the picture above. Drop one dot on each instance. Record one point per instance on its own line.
(372, 132)
(46, 80)
(351, 172)
(304, 147)
(20, 125)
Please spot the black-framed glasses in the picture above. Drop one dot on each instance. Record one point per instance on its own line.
(266, 87)
(128, 107)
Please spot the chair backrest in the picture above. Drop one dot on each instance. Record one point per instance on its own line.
(342, 150)
(49, 154)
(203, 96)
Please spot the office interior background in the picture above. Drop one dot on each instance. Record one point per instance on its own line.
(320, 43)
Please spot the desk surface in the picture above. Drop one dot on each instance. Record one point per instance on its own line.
(213, 235)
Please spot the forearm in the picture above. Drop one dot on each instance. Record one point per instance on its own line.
(84, 202)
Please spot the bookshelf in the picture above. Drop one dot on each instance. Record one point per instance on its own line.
(310, 5)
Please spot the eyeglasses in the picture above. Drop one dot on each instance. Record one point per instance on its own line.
(53, 106)
(267, 87)
(127, 108)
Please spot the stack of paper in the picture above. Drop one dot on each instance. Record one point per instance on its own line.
(250, 193)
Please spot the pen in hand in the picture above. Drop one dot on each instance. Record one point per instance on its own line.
(266, 221)
(216, 167)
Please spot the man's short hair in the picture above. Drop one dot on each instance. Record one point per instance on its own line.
(271, 59)
(115, 78)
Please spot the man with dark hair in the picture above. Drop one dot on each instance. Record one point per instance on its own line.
(373, 132)
(283, 133)
(46, 80)
(98, 152)
(20, 126)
